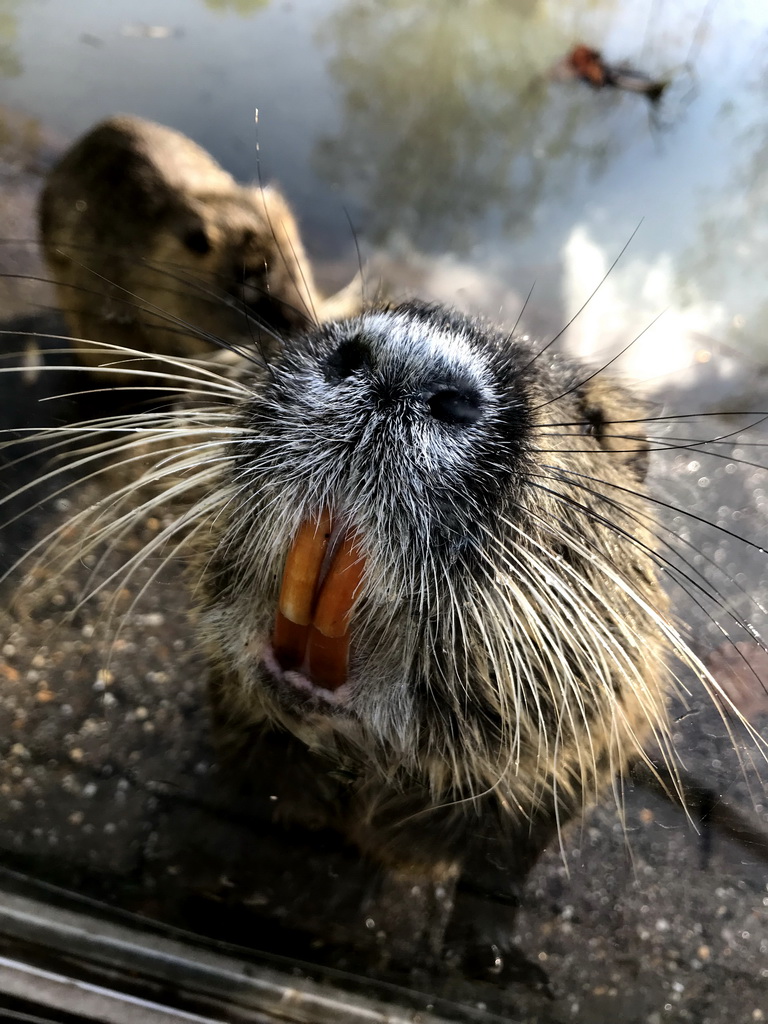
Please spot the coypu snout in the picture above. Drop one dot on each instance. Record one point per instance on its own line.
(450, 395)
(406, 401)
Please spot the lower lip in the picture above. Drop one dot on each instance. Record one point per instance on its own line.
(299, 683)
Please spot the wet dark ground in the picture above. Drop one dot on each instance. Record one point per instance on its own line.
(109, 784)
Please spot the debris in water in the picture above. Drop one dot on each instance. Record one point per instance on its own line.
(587, 64)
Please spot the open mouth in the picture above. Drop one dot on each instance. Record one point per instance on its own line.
(321, 582)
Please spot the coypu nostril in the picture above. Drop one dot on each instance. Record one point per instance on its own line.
(457, 408)
(350, 356)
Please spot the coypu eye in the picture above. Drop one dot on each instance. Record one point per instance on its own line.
(594, 422)
(350, 356)
(457, 408)
(197, 241)
(631, 448)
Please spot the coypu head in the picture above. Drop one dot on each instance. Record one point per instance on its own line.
(155, 248)
(240, 248)
(431, 555)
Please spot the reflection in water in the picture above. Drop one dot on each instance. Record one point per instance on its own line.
(639, 323)
(10, 65)
(731, 245)
(449, 114)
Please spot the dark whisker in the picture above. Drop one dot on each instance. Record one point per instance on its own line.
(674, 570)
(137, 302)
(601, 369)
(699, 446)
(356, 242)
(584, 305)
(717, 596)
(511, 335)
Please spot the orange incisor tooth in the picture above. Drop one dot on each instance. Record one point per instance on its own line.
(289, 641)
(302, 569)
(339, 590)
(328, 658)
(328, 641)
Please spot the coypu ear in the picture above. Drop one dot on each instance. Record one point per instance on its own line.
(349, 301)
(616, 419)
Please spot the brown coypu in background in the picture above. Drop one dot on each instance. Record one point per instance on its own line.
(154, 246)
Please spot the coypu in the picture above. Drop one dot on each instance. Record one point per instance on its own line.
(431, 562)
(426, 573)
(469, 620)
(155, 247)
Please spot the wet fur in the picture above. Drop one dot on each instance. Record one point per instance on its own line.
(512, 645)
